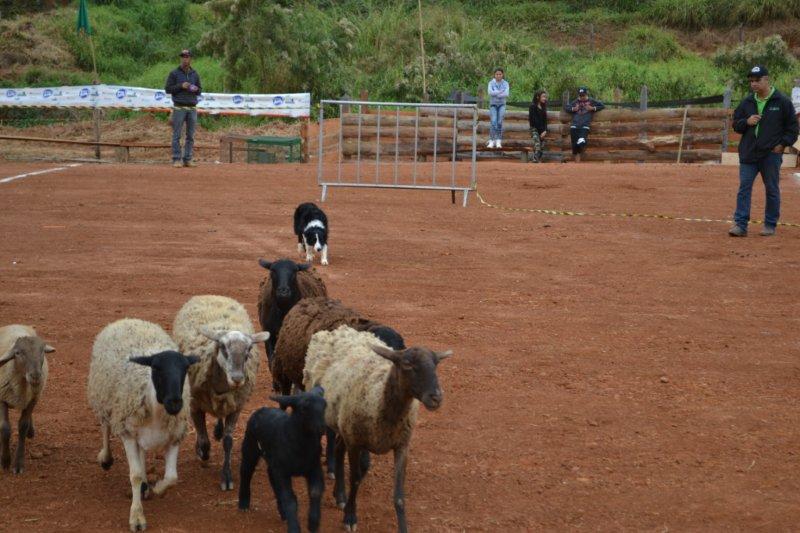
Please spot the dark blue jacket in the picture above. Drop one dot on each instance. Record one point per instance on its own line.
(778, 125)
(181, 96)
(583, 117)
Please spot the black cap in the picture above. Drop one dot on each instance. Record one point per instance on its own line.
(186, 53)
(758, 71)
(583, 90)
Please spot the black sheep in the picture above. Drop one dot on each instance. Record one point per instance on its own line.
(290, 444)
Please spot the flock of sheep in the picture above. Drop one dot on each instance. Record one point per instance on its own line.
(353, 379)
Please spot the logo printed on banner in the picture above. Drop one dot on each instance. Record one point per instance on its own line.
(121, 94)
(237, 99)
(278, 100)
(47, 93)
(159, 96)
(84, 92)
(11, 93)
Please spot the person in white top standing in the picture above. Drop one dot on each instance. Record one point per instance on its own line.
(796, 103)
(498, 94)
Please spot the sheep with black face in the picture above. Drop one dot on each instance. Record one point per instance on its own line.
(138, 390)
(23, 374)
(287, 283)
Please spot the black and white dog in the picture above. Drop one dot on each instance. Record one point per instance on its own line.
(311, 228)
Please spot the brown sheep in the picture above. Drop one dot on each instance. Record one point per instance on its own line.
(309, 316)
(287, 283)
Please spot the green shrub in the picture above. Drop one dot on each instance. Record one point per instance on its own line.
(770, 51)
(648, 44)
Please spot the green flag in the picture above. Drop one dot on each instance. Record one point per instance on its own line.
(83, 19)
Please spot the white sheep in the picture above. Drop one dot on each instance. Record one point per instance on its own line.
(218, 330)
(143, 406)
(21, 386)
(372, 393)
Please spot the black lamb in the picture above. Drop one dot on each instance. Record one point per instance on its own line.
(290, 444)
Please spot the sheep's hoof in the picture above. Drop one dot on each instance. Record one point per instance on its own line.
(31, 432)
(340, 505)
(350, 527)
(139, 524)
(226, 485)
(331, 475)
(325, 262)
(5, 464)
(202, 451)
(18, 468)
(106, 465)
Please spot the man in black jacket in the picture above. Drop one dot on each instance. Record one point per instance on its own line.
(583, 109)
(183, 84)
(767, 123)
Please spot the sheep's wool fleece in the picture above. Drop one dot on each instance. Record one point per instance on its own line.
(307, 317)
(217, 313)
(14, 390)
(118, 388)
(354, 378)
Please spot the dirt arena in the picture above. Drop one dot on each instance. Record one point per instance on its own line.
(609, 373)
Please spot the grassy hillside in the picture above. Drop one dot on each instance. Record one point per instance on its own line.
(678, 48)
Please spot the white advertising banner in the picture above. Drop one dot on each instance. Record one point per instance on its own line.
(297, 105)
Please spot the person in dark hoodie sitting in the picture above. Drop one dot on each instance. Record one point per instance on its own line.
(183, 84)
(537, 120)
(583, 109)
(766, 120)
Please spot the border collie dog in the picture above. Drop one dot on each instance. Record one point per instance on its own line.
(311, 228)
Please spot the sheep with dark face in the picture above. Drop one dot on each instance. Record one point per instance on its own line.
(23, 374)
(373, 395)
(138, 390)
(218, 330)
(287, 283)
(290, 444)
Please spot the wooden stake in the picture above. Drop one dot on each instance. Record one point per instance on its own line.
(683, 129)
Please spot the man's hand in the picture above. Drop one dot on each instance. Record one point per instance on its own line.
(185, 85)
(778, 149)
(753, 120)
(542, 135)
(591, 108)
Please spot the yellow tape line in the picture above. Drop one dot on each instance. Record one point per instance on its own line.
(620, 215)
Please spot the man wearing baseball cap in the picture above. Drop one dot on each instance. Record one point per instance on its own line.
(767, 123)
(183, 84)
(582, 109)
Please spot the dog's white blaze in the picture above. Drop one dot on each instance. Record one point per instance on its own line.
(314, 224)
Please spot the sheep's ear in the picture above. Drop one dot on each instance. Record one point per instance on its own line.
(285, 401)
(264, 263)
(146, 360)
(259, 337)
(8, 356)
(303, 266)
(211, 334)
(387, 353)
(318, 390)
(48, 349)
(192, 359)
(442, 355)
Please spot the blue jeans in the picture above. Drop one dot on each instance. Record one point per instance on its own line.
(179, 116)
(769, 167)
(496, 114)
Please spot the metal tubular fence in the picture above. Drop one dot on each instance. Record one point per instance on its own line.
(411, 120)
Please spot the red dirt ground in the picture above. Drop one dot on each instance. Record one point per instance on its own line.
(609, 373)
